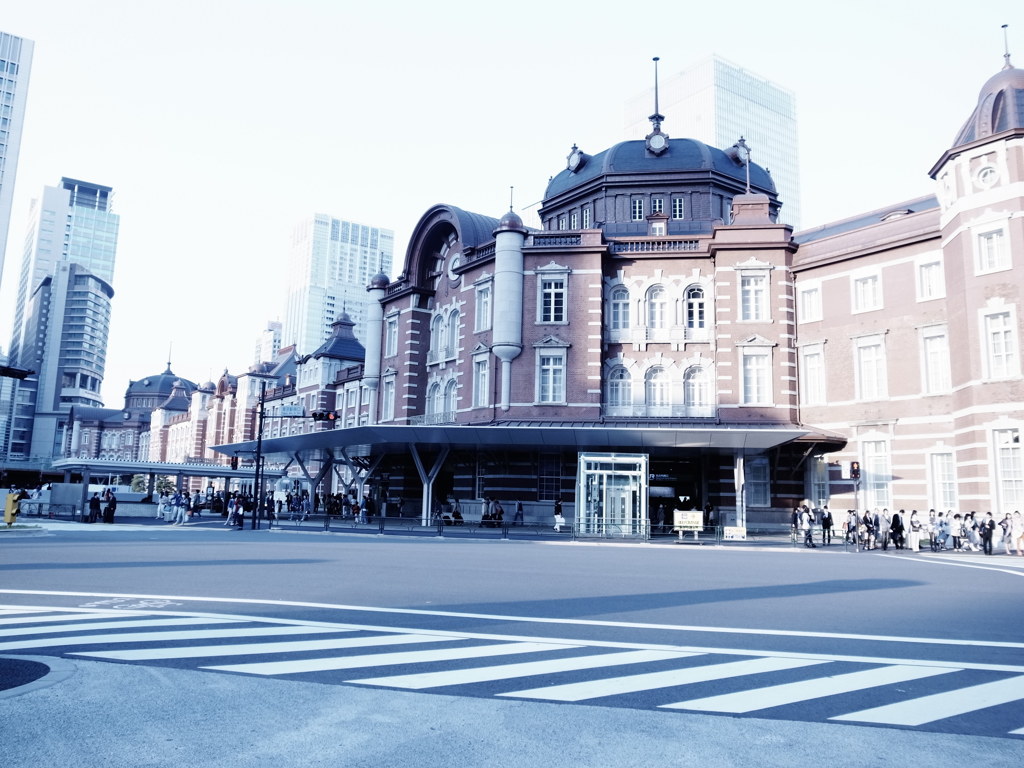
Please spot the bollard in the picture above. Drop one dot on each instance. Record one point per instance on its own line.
(504, 530)
(380, 522)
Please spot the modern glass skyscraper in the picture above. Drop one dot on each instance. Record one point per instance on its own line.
(62, 312)
(15, 66)
(331, 264)
(717, 102)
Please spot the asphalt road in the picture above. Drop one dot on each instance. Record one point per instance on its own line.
(211, 646)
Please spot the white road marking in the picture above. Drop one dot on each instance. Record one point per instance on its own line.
(252, 649)
(387, 659)
(803, 690)
(154, 637)
(592, 689)
(88, 627)
(41, 618)
(524, 669)
(538, 620)
(939, 706)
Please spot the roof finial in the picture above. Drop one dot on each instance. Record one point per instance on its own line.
(1006, 48)
(170, 347)
(511, 197)
(657, 117)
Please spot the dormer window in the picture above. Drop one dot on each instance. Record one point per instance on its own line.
(657, 224)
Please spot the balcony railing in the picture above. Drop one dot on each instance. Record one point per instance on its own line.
(659, 411)
(433, 419)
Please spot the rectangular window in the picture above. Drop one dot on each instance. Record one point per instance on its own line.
(388, 400)
(876, 474)
(678, 208)
(991, 253)
(812, 374)
(935, 360)
(549, 477)
(809, 308)
(871, 369)
(391, 337)
(480, 383)
(657, 204)
(931, 280)
(1000, 345)
(552, 300)
(943, 481)
(638, 210)
(756, 482)
(551, 377)
(562, 223)
(1009, 474)
(867, 293)
(573, 220)
(754, 297)
(482, 320)
(756, 376)
(586, 218)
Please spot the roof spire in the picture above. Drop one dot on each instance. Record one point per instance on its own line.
(1006, 48)
(657, 117)
(511, 197)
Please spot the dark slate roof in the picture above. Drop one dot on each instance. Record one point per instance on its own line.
(866, 219)
(1000, 107)
(682, 155)
(178, 400)
(92, 413)
(342, 343)
(474, 228)
(160, 384)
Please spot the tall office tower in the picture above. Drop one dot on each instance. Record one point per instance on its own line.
(62, 312)
(15, 66)
(331, 264)
(269, 343)
(716, 102)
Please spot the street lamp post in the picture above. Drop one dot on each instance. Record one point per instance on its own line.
(258, 513)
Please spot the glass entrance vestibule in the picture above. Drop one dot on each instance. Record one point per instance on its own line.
(611, 493)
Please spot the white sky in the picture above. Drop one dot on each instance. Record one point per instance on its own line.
(221, 123)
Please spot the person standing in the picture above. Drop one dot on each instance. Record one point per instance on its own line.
(1017, 532)
(559, 520)
(807, 525)
(915, 531)
(110, 509)
(826, 526)
(94, 508)
(884, 525)
(988, 527)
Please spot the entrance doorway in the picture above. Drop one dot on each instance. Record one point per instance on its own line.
(611, 493)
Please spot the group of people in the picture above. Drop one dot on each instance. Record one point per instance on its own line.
(877, 529)
(102, 507)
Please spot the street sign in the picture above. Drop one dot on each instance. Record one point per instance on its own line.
(293, 411)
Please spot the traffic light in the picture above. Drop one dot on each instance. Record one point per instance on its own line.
(855, 470)
(330, 416)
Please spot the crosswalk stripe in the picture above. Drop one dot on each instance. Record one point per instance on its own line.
(593, 689)
(803, 690)
(291, 646)
(938, 706)
(126, 624)
(524, 669)
(387, 659)
(59, 617)
(152, 637)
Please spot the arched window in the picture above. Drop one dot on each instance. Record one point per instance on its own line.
(452, 337)
(697, 390)
(450, 392)
(620, 388)
(619, 302)
(656, 388)
(656, 307)
(436, 335)
(696, 311)
(434, 403)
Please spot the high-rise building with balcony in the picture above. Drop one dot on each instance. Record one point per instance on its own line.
(331, 263)
(62, 312)
(717, 102)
